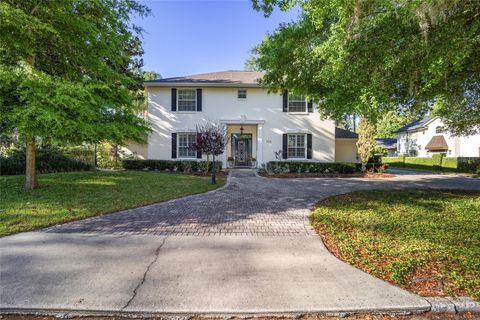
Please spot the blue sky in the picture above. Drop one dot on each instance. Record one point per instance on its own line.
(188, 37)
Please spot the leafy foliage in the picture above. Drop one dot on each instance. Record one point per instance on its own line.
(279, 167)
(388, 123)
(185, 166)
(69, 70)
(369, 57)
(415, 243)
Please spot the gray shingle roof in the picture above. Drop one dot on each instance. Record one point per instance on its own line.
(418, 124)
(387, 143)
(344, 134)
(228, 78)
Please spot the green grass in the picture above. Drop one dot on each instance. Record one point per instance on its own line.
(63, 197)
(427, 241)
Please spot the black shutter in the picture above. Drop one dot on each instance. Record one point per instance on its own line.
(310, 106)
(309, 146)
(199, 152)
(174, 145)
(174, 99)
(199, 100)
(285, 101)
(285, 146)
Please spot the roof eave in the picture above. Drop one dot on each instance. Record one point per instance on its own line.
(203, 85)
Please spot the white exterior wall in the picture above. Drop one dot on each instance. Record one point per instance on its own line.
(261, 108)
(457, 146)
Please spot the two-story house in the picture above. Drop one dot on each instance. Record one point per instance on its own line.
(428, 136)
(261, 125)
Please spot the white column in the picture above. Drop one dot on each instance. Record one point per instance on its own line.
(259, 144)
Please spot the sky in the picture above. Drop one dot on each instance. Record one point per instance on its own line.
(188, 37)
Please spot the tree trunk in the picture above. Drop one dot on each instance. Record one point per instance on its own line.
(30, 170)
(214, 173)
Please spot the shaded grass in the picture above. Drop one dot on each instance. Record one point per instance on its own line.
(427, 241)
(63, 197)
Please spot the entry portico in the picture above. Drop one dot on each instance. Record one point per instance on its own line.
(244, 141)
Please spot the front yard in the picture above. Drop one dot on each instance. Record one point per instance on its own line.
(63, 197)
(427, 241)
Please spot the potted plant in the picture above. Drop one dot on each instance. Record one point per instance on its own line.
(253, 161)
(230, 161)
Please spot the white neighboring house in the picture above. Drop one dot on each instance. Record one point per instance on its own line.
(428, 136)
(258, 122)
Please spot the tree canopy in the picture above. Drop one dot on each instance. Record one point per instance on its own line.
(370, 57)
(70, 70)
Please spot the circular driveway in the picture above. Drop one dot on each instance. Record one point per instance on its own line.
(247, 205)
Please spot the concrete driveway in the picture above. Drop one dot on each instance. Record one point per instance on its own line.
(245, 248)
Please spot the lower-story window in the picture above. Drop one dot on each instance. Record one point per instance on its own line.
(296, 145)
(184, 145)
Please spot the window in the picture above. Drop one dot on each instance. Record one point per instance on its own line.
(242, 94)
(439, 129)
(184, 145)
(187, 100)
(297, 103)
(296, 146)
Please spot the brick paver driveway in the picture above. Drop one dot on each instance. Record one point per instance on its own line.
(248, 205)
(245, 248)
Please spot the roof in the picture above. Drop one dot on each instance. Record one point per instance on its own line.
(230, 78)
(437, 143)
(387, 143)
(344, 134)
(415, 125)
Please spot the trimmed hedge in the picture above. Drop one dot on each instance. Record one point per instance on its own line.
(186, 166)
(47, 161)
(435, 163)
(278, 167)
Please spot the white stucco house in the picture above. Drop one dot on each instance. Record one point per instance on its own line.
(428, 136)
(259, 123)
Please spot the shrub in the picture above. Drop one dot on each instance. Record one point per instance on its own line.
(278, 167)
(185, 166)
(398, 162)
(449, 164)
(47, 161)
(471, 164)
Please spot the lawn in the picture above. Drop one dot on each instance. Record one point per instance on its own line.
(63, 197)
(427, 241)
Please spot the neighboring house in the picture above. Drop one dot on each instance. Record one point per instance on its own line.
(259, 123)
(428, 136)
(388, 144)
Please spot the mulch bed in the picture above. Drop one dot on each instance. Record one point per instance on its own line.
(367, 175)
(427, 316)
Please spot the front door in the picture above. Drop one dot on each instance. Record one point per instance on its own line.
(242, 149)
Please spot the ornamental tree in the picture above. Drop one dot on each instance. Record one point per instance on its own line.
(405, 55)
(366, 141)
(69, 71)
(211, 140)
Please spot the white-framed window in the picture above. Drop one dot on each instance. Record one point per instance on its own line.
(242, 94)
(185, 141)
(297, 103)
(297, 145)
(439, 129)
(187, 100)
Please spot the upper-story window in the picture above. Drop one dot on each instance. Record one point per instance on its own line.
(187, 100)
(296, 145)
(184, 145)
(242, 94)
(297, 103)
(439, 129)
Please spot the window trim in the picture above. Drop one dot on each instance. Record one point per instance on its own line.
(179, 133)
(304, 145)
(246, 94)
(178, 99)
(297, 112)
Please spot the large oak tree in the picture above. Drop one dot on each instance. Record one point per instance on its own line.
(69, 71)
(366, 57)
